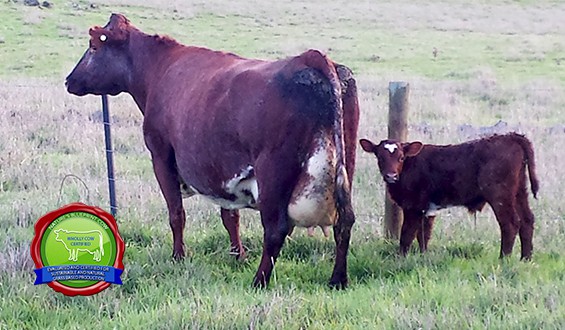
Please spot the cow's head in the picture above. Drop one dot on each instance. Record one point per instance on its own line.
(390, 156)
(105, 67)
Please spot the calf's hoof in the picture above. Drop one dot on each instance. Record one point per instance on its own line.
(339, 283)
(403, 252)
(260, 282)
(178, 255)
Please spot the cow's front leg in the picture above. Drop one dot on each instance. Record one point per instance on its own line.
(230, 219)
(167, 176)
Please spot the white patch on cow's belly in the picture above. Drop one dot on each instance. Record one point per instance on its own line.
(243, 186)
(313, 202)
(247, 194)
(242, 200)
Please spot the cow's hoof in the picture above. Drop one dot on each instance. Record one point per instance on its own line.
(239, 255)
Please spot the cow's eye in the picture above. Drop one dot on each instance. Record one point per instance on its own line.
(401, 158)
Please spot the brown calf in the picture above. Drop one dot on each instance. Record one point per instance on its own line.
(423, 178)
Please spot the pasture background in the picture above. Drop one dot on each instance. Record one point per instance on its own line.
(496, 60)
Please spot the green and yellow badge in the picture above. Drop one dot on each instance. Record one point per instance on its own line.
(77, 250)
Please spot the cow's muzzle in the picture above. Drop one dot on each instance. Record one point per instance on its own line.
(75, 87)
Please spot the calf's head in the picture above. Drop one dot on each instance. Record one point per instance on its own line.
(390, 156)
(105, 67)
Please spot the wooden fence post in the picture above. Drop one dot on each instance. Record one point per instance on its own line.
(398, 93)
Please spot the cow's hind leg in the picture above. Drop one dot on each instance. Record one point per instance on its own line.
(230, 219)
(166, 172)
(276, 175)
(526, 223)
(275, 230)
(410, 226)
(342, 235)
(509, 223)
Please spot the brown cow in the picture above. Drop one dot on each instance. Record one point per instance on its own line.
(422, 179)
(276, 136)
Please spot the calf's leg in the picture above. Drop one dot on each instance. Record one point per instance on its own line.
(526, 223)
(410, 226)
(509, 223)
(230, 219)
(425, 233)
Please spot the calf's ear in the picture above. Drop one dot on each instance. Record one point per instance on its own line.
(412, 149)
(367, 145)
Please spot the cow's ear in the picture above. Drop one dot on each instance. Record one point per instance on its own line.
(412, 149)
(367, 145)
(116, 31)
(117, 22)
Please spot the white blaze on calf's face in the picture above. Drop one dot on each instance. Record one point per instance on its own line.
(391, 147)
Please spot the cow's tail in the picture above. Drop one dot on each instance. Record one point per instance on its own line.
(319, 61)
(530, 162)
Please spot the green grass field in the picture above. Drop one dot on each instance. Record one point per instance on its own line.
(495, 60)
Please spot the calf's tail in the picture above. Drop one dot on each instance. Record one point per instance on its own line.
(530, 162)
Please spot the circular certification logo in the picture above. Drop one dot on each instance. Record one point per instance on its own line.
(77, 250)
